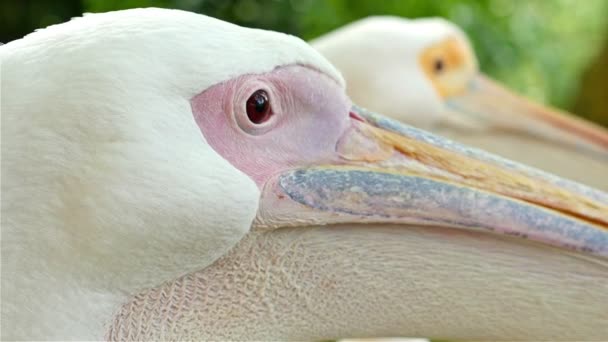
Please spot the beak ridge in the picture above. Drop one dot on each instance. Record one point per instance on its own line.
(494, 107)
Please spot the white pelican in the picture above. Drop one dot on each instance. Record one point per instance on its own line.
(166, 175)
(424, 72)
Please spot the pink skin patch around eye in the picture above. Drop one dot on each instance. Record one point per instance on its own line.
(310, 114)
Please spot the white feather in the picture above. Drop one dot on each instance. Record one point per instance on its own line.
(359, 51)
(108, 185)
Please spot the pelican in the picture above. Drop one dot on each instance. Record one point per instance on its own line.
(166, 175)
(425, 73)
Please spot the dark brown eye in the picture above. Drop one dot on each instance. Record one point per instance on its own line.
(258, 107)
(439, 65)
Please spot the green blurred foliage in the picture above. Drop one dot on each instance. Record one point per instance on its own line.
(540, 48)
(592, 98)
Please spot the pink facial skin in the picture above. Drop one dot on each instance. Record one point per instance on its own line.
(310, 114)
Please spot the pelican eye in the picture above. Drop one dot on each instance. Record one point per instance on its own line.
(439, 65)
(258, 107)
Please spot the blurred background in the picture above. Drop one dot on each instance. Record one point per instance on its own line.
(553, 51)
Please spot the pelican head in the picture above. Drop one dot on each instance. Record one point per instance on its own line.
(424, 72)
(142, 145)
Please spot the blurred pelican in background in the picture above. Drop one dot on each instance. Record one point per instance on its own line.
(425, 73)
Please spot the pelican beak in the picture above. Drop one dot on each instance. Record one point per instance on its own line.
(490, 106)
(387, 172)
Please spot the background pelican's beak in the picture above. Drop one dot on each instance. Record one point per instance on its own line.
(389, 172)
(489, 106)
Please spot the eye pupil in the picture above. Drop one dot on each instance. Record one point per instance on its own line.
(258, 107)
(439, 65)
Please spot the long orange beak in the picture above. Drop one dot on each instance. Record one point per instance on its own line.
(496, 108)
(388, 172)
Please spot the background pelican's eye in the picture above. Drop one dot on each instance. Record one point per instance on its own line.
(439, 65)
(258, 107)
